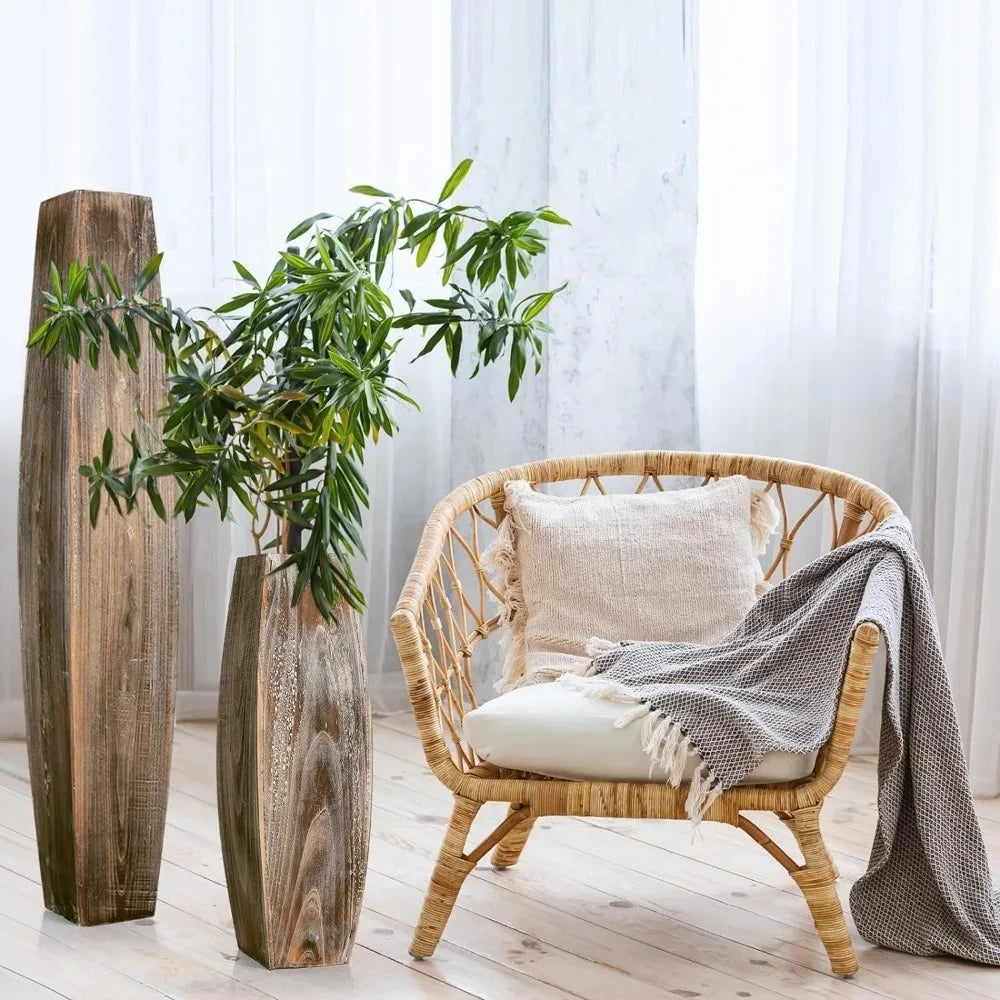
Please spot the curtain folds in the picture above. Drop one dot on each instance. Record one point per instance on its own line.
(848, 279)
(239, 119)
(597, 116)
(847, 288)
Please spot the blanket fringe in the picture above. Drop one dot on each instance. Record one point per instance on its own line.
(704, 790)
(600, 688)
(665, 743)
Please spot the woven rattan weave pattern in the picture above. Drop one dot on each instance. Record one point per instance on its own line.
(447, 607)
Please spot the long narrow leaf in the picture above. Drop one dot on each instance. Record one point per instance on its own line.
(457, 176)
(149, 272)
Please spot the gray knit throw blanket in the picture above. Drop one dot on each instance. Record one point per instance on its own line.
(774, 685)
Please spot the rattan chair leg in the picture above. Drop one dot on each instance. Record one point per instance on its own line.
(507, 853)
(789, 820)
(816, 880)
(449, 874)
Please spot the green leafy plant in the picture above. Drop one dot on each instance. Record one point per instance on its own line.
(274, 395)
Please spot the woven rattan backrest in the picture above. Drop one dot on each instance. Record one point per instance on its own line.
(449, 604)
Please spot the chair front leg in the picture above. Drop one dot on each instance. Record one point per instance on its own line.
(816, 878)
(450, 873)
(789, 820)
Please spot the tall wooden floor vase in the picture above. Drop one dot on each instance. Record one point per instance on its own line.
(98, 606)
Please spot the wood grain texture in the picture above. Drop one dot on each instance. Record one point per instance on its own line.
(658, 914)
(294, 771)
(98, 606)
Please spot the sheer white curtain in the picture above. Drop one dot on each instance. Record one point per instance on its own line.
(848, 278)
(239, 119)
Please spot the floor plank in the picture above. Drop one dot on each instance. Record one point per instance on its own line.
(597, 908)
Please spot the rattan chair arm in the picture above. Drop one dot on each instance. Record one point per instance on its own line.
(423, 698)
(833, 757)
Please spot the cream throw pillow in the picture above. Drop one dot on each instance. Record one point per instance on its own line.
(679, 565)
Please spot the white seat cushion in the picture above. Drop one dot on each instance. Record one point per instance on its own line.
(555, 730)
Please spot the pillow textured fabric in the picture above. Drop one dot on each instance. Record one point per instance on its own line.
(675, 566)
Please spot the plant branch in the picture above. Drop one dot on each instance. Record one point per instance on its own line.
(274, 394)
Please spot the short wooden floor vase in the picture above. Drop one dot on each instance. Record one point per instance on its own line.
(294, 771)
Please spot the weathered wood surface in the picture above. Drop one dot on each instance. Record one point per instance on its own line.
(98, 607)
(294, 771)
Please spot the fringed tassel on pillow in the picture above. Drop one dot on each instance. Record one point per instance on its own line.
(764, 517)
(597, 647)
(500, 557)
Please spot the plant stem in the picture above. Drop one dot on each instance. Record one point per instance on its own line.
(293, 539)
(462, 215)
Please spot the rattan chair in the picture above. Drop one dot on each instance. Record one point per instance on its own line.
(446, 609)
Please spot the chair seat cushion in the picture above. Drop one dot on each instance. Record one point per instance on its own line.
(555, 730)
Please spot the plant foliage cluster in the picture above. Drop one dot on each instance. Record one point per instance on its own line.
(274, 395)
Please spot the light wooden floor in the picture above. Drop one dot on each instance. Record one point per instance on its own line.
(602, 909)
